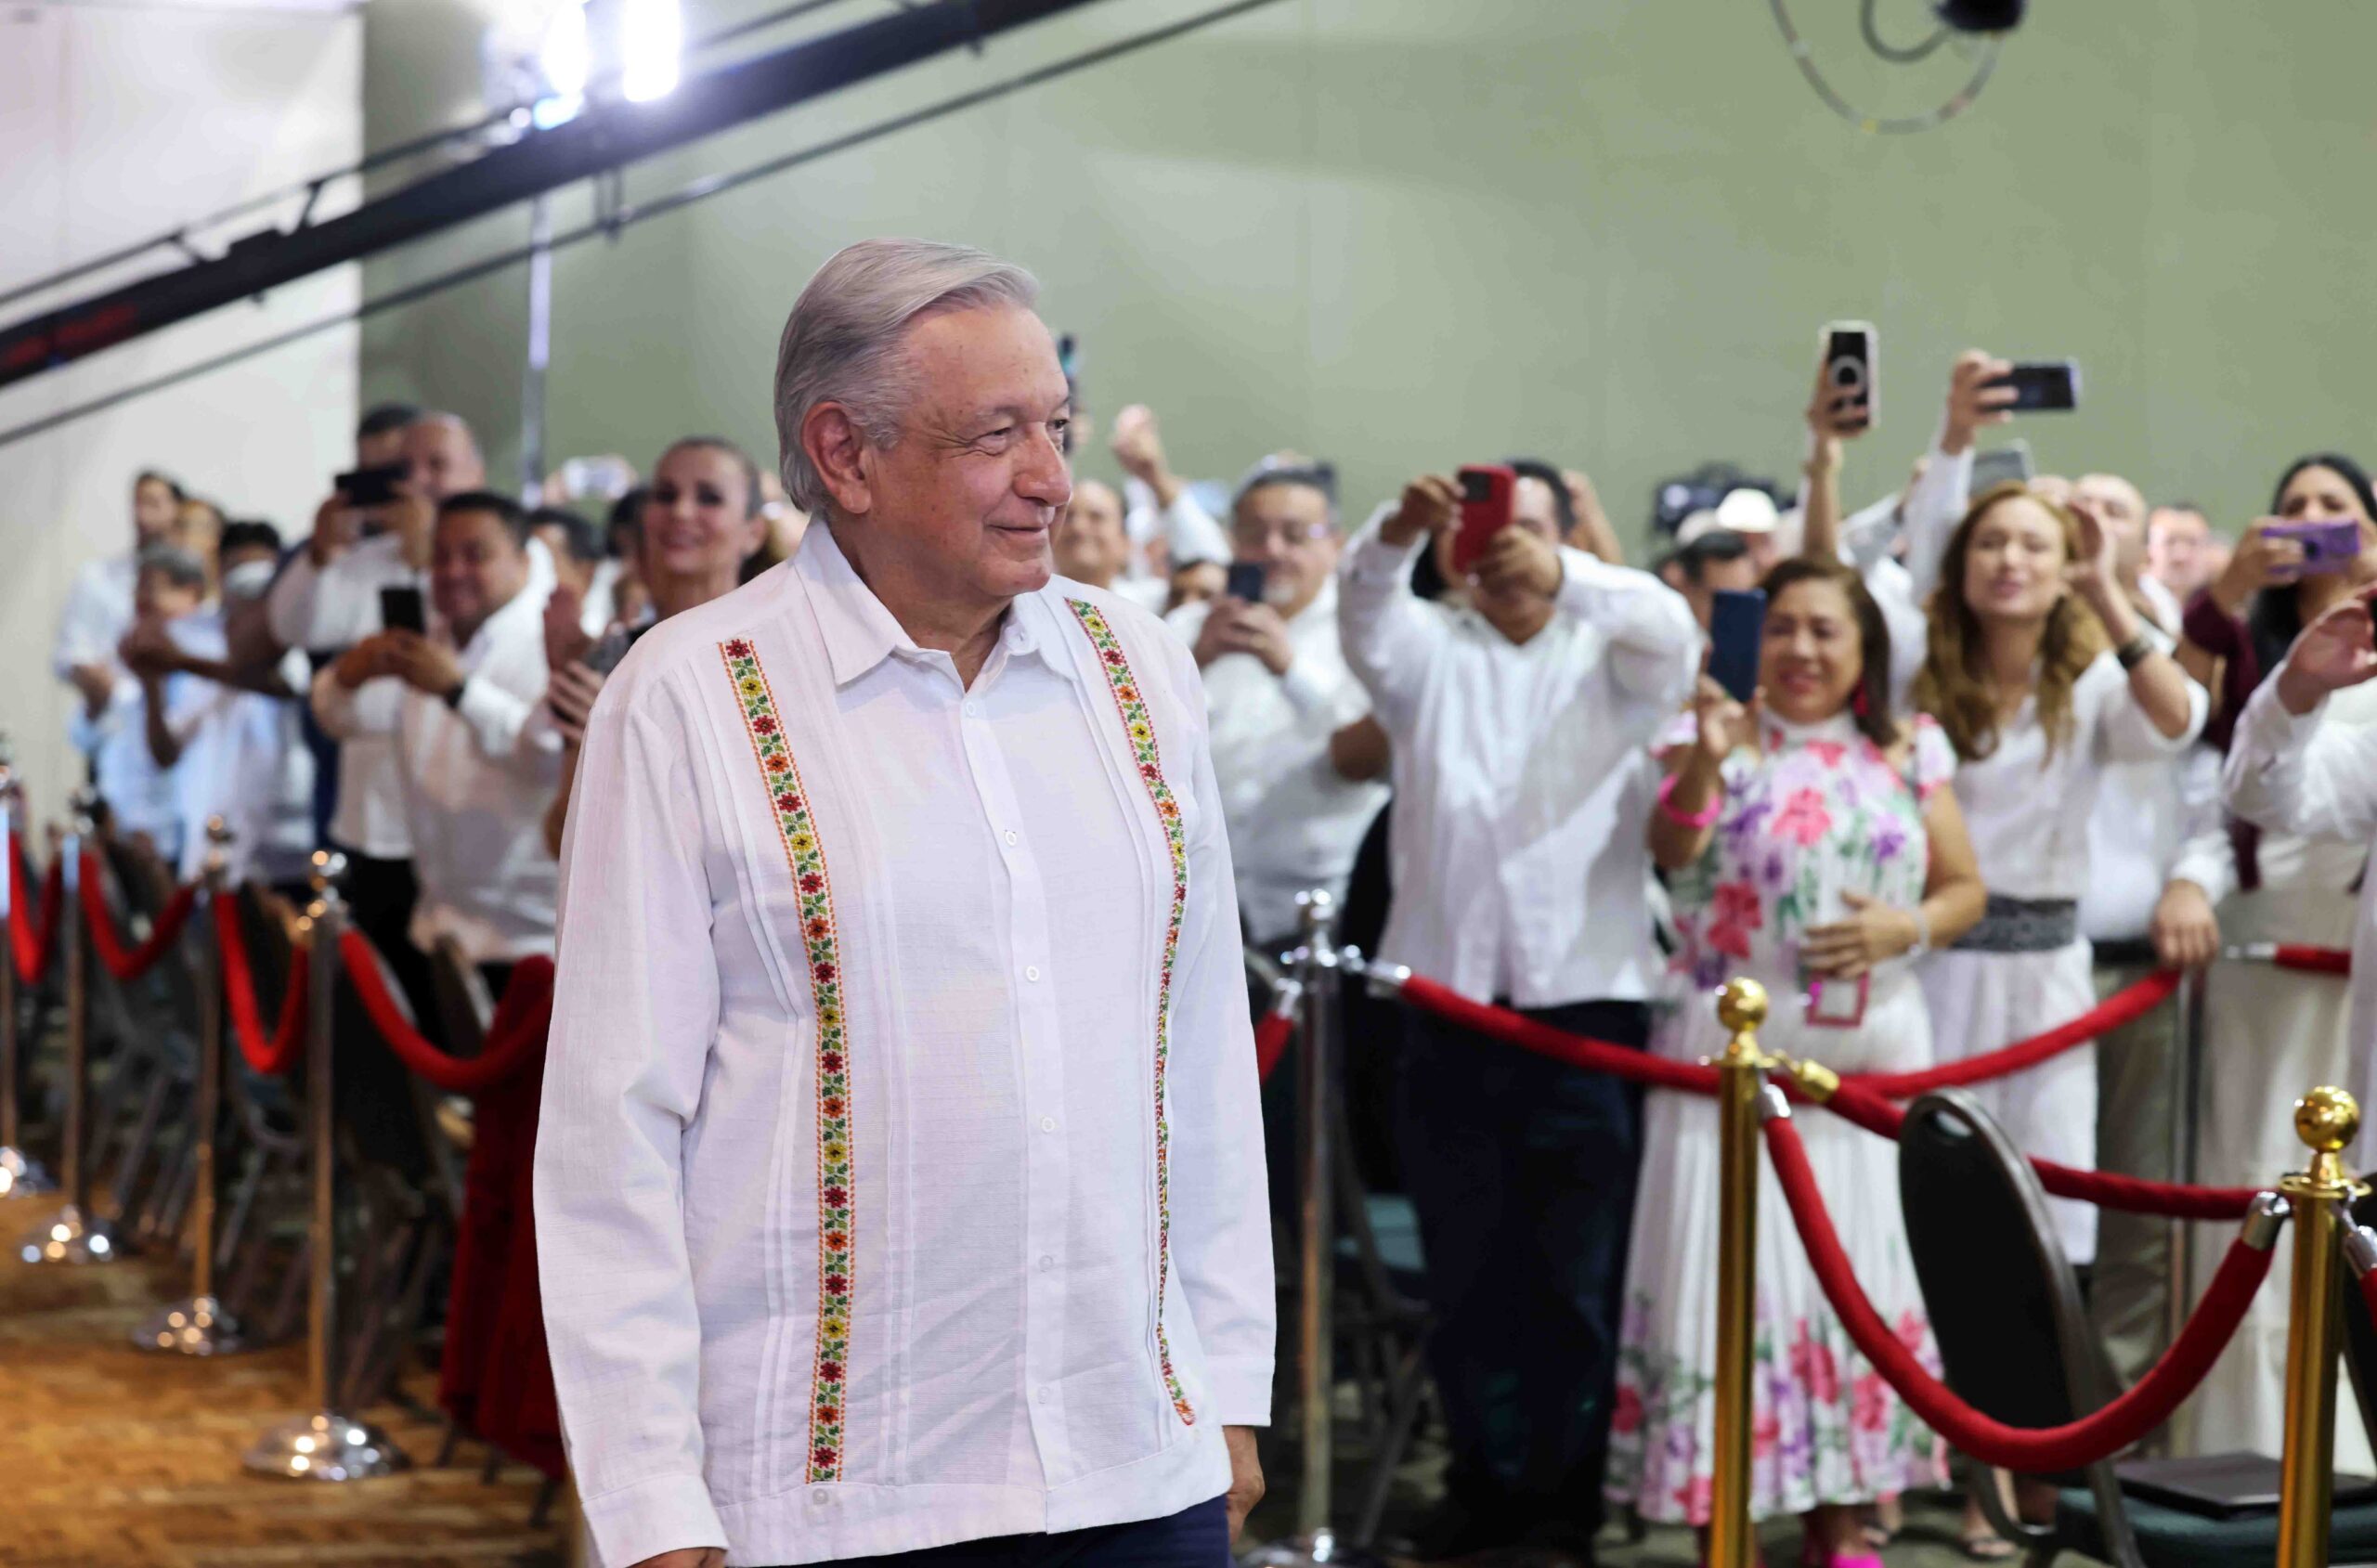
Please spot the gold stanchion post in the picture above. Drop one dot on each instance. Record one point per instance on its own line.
(2326, 1121)
(1741, 1007)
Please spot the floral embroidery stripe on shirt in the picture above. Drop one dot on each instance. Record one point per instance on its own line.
(821, 943)
(1140, 728)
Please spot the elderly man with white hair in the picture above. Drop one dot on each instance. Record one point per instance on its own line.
(900, 1184)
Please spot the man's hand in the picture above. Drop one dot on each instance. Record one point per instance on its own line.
(1972, 402)
(1233, 626)
(149, 652)
(2185, 931)
(1519, 561)
(96, 684)
(570, 692)
(368, 660)
(2334, 652)
(336, 524)
(1139, 446)
(412, 519)
(686, 1557)
(566, 639)
(1834, 416)
(1431, 505)
(425, 665)
(2097, 569)
(1245, 1477)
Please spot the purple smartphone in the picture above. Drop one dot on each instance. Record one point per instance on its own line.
(2328, 545)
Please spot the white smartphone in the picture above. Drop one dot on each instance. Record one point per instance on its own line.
(1849, 351)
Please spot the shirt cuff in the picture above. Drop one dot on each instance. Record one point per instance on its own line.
(666, 1513)
(1305, 691)
(1242, 1390)
(1375, 560)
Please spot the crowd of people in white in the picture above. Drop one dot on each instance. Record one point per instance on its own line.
(2009, 751)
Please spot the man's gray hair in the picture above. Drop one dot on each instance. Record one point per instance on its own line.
(841, 343)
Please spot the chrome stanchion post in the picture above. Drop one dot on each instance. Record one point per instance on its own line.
(197, 1325)
(75, 1234)
(20, 1174)
(2187, 1043)
(1317, 964)
(326, 1443)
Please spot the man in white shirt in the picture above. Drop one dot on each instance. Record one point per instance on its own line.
(1091, 546)
(1523, 792)
(899, 1181)
(456, 703)
(127, 735)
(1282, 701)
(2179, 547)
(328, 600)
(99, 607)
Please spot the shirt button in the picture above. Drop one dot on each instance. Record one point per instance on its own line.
(1046, 1264)
(1011, 835)
(1047, 1123)
(973, 710)
(1031, 971)
(818, 1495)
(1047, 1394)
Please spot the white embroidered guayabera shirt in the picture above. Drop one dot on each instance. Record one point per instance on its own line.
(901, 1175)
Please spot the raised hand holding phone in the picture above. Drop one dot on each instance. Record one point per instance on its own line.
(1430, 504)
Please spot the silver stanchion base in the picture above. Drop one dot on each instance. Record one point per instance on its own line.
(326, 1446)
(22, 1175)
(71, 1237)
(194, 1325)
(1301, 1551)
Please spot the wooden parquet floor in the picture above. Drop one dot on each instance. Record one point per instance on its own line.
(110, 1457)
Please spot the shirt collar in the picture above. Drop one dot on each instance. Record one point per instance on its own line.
(860, 633)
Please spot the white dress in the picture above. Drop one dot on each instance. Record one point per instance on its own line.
(2027, 808)
(2269, 1034)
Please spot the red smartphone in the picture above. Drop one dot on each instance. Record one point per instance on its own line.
(1486, 490)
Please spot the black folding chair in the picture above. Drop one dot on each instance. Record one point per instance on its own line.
(2017, 1344)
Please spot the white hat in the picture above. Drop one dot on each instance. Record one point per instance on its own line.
(1746, 512)
(1698, 526)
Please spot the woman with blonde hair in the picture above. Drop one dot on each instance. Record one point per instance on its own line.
(2041, 674)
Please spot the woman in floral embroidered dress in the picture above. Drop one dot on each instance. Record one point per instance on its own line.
(1813, 849)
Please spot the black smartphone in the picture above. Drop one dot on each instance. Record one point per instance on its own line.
(371, 487)
(2046, 386)
(1736, 624)
(1244, 581)
(400, 610)
(1848, 349)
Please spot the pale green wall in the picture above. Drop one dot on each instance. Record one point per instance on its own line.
(1415, 232)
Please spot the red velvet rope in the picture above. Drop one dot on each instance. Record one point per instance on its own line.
(1854, 1101)
(33, 937)
(129, 963)
(1271, 1041)
(274, 1056)
(2312, 960)
(2131, 1002)
(1542, 1038)
(515, 1040)
(2129, 1195)
(2031, 1451)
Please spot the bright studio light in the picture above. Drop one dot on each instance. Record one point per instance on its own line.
(652, 34)
(565, 58)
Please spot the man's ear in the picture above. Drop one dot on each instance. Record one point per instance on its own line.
(837, 447)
